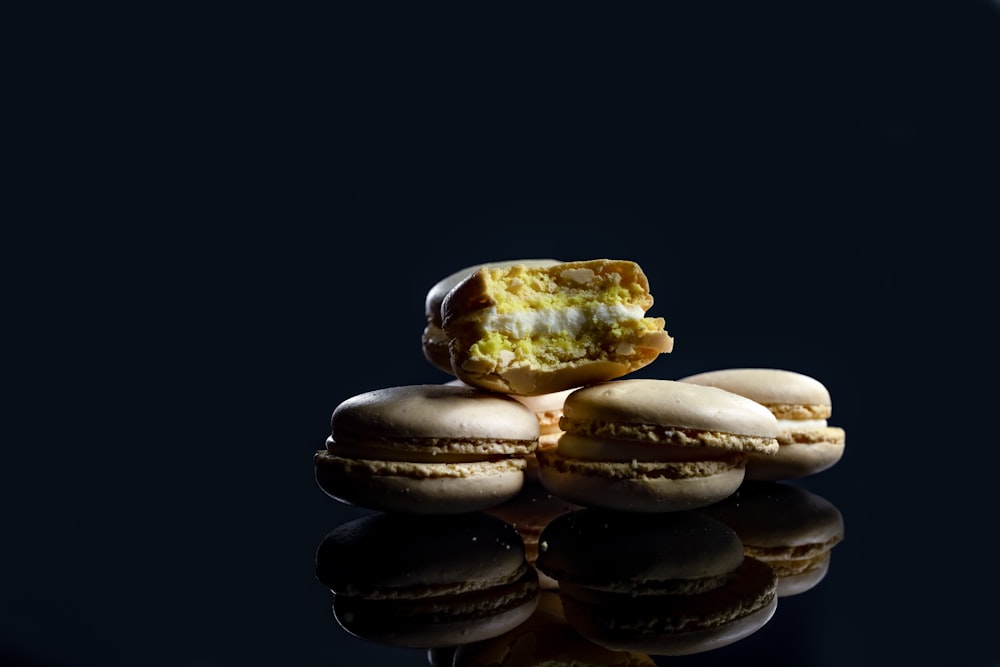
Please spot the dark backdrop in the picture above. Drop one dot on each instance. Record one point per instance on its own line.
(226, 223)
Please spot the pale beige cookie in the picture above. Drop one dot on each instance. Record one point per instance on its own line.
(647, 445)
(802, 406)
(548, 411)
(427, 449)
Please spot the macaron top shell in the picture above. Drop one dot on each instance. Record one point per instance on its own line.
(627, 552)
(788, 394)
(395, 552)
(640, 409)
(780, 516)
(548, 408)
(431, 412)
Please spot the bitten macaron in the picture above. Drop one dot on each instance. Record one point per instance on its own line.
(427, 449)
(650, 445)
(790, 528)
(802, 406)
(434, 342)
(427, 581)
(533, 330)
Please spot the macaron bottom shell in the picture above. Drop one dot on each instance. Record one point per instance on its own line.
(799, 580)
(793, 461)
(640, 486)
(419, 488)
(435, 622)
(675, 624)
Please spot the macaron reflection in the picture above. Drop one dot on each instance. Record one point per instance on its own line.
(789, 528)
(529, 512)
(544, 639)
(664, 584)
(427, 581)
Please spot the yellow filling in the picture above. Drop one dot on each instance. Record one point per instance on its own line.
(536, 320)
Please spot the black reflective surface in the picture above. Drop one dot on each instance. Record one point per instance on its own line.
(221, 224)
(605, 585)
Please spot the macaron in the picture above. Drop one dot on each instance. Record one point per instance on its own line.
(529, 512)
(548, 411)
(788, 527)
(666, 584)
(433, 341)
(650, 445)
(427, 449)
(533, 330)
(545, 640)
(427, 581)
(802, 406)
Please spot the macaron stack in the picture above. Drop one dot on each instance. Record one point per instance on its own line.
(538, 352)
(427, 581)
(616, 491)
(427, 449)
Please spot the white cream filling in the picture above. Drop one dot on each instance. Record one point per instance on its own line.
(533, 323)
(801, 424)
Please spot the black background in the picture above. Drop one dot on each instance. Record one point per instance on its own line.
(225, 223)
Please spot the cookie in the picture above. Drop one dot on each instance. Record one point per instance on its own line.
(433, 340)
(427, 581)
(427, 449)
(802, 406)
(533, 330)
(648, 445)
